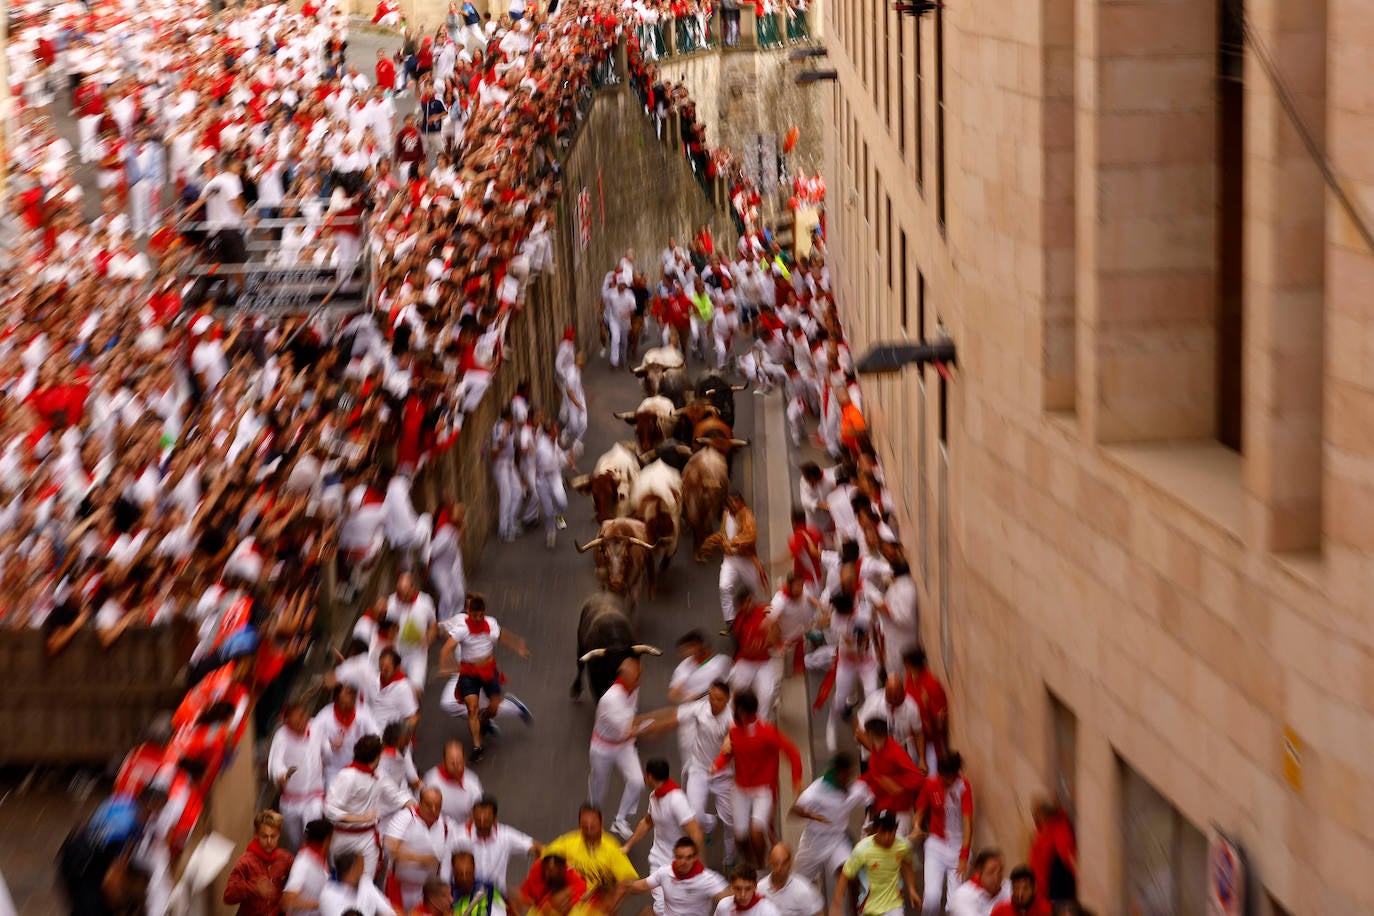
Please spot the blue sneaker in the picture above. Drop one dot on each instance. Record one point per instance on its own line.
(525, 715)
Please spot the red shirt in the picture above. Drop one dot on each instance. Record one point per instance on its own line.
(1038, 907)
(751, 632)
(804, 539)
(935, 797)
(386, 74)
(253, 866)
(534, 890)
(756, 747)
(1053, 837)
(891, 762)
(930, 699)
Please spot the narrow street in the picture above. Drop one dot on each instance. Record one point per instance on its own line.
(539, 774)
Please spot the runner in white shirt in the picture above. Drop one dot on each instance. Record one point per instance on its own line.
(744, 895)
(984, 890)
(900, 617)
(475, 635)
(701, 666)
(705, 723)
(418, 620)
(419, 845)
(339, 726)
(396, 700)
(902, 715)
(493, 844)
(792, 895)
(354, 892)
(670, 816)
(613, 745)
(458, 785)
(826, 805)
(309, 872)
(685, 886)
(397, 766)
(295, 764)
(358, 801)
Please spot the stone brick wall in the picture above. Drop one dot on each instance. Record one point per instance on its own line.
(1190, 605)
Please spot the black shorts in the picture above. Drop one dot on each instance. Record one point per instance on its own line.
(470, 685)
(229, 246)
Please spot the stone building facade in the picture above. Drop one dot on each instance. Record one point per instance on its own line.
(1144, 500)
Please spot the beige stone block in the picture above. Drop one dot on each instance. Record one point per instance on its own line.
(1221, 589)
(1176, 243)
(1160, 85)
(1154, 29)
(1156, 298)
(1150, 191)
(1125, 137)
(1350, 514)
(1350, 417)
(1103, 506)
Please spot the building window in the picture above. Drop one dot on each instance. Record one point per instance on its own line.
(1164, 857)
(940, 117)
(920, 307)
(1230, 220)
(1063, 753)
(886, 81)
(888, 243)
(920, 110)
(905, 283)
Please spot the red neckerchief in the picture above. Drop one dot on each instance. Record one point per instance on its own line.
(346, 723)
(476, 627)
(355, 765)
(397, 676)
(256, 849)
(444, 775)
(696, 869)
(667, 786)
(752, 903)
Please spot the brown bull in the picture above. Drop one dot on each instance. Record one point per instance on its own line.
(653, 420)
(622, 552)
(715, 432)
(705, 483)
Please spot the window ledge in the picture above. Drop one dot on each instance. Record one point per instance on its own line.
(1204, 476)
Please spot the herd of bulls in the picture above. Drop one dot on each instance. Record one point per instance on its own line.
(675, 473)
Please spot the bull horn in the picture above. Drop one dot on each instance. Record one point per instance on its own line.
(626, 415)
(595, 653)
(581, 484)
(739, 443)
(739, 387)
(640, 369)
(638, 543)
(678, 411)
(683, 450)
(644, 650)
(594, 542)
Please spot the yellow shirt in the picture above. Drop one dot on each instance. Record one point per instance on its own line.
(601, 866)
(881, 871)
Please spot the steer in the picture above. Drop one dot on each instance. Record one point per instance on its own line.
(705, 481)
(622, 551)
(610, 481)
(690, 415)
(605, 638)
(670, 451)
(715, 432)
(653, 421)
(676, 386)
(656, 500)
(715, 389)
(656, 361)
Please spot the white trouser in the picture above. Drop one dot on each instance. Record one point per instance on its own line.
(698, 333)
(449, 583)
(850, 673)
(415, 663)
(295, 814)
(753, 810)
(942, 859)
(736, 572)
(619, 328)
(796, 420)
(364, 844)
(574, 421)
(820, 850)
(85, 130)
(624, 757)
(553, 499)
(145, 198)
(508, 496)
(722, 350)
(703, 785)
(347, 245)
(761, 677)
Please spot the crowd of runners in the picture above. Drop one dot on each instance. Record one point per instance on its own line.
(165, 458)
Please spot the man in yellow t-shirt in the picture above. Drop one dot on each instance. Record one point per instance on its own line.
(597, 858)
(882, 865)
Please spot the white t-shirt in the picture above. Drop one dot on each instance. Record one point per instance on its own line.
(416, 836)
(219, 195)
(491, 856)
(707, 732)
(670, 811)
(831, 803)
(694, 678)
(474, 646)
(760, 908)
(798, 897)
(308, 876)
(337, 899)
(413, 620)
(459, 794)
(686, 896)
